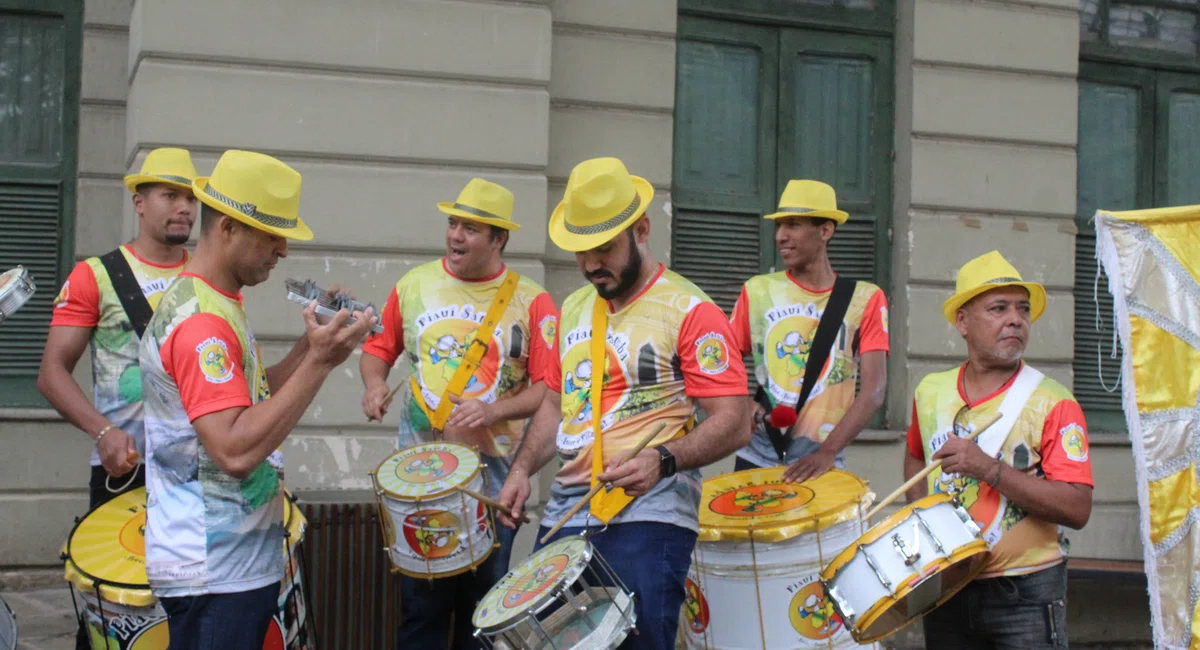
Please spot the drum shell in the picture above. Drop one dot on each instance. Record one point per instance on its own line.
(471, 541)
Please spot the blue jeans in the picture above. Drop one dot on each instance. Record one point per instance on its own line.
(237, 621)
(1026, 612)
(652, 559)
(426, 606)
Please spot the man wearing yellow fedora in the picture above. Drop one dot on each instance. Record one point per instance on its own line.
(215, 414)
(478, 337)
(1022, 479)
(665, 355)
(811, 333)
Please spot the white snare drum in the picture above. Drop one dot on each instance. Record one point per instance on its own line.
(16, 288)
(432, 530)
(564, 597)
(754, 581)
(905, 566)
(8, 627)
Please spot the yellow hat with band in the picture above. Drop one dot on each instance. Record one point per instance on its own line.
(988, 272)
(485, 202)
(601, 200)
(167, 165)
(809, 199)
(257, 190)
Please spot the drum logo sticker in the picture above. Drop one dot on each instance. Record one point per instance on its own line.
(533, 582)
(214, 360)
(549, 328)
(7, 278)
(432, 534)
(695, 607)
(427, 466)
(712, 353)
(761, 500)
(811, 612)
(1074, 442)
(133, 533)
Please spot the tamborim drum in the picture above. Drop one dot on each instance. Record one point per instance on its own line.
(905, 566)
(16, 288)
(432, 530)
(564, 597)
(754, 581)
(8, 627)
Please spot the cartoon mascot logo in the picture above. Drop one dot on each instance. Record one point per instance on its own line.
(812, 613)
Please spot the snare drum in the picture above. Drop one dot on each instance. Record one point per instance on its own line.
(8, 627)
(905, 566)
(754, 580)
(557, 599)
(432, 530)
(16, 288)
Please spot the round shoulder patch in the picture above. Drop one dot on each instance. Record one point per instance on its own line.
(214, 360)
(712, 353)
(64, 296)
(1074, 442)
(549, 330)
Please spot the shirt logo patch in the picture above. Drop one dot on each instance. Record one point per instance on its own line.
(883, 318)
(712, 354)
(214, 360)
(1074, 443)
(63, 296)
(549, 330)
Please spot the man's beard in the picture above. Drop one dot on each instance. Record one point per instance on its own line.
(176, 240)
(627, 278)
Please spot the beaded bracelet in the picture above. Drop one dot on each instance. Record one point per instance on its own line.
(996, 481)
(100, 436)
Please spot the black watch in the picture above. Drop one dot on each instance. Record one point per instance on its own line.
(666, 462)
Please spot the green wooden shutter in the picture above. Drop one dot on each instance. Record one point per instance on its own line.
(40, 44)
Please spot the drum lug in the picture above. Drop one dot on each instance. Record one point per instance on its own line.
(887, 584)
(937, 543)
(844, 609)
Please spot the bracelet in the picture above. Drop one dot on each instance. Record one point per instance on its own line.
(100, 436)
(996, 481)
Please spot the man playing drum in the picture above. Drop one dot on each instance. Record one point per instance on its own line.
(1021, 480)
(777, 319)
(666, 354)
(215, 415)
(479, 395)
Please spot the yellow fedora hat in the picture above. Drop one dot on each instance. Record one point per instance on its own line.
(485, 202)
(166, 165)
(809, 199)
(987, 272)
(257, 190)
(601, 200)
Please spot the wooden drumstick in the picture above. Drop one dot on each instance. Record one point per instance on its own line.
(928, 468)
(388, 400)
(489, 502)
(600, 486)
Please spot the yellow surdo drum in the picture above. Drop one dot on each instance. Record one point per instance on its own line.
(433, 530)
(754, 580)
(105, 564)
(905, 566)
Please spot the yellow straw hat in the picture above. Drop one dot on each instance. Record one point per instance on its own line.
(987, 272)
(166, 165)
(809, 199)
(257, 190)
(485, 202)
(601, 200)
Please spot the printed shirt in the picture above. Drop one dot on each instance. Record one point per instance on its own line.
(206, 531)
(775, 319)
(666, 348)
(87, 299)
(430, 315)
(1049, 440)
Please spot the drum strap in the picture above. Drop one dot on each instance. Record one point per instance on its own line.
(129, 291)
(1027, 381)
(818, 354)
(476, 347)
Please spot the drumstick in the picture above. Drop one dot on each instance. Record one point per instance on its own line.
(388, 400)
(488, 502)
(928, 468)
(599, 486)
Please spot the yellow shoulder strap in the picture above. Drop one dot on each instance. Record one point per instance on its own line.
(606, 503)
(476, 348)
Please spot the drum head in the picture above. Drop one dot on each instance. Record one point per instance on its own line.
(108, 546)
(8, 627)
(760, 502)
(427, 470)
(531, 585)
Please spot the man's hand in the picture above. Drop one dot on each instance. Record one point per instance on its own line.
(637, 476)
(513, 495)
(471, 413)
(118, 453)
(372, 402)
(964, 457)
(332, 343)
(811, 466)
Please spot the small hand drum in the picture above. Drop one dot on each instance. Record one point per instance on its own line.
(564, 597)
(305, 292)
(16, 288)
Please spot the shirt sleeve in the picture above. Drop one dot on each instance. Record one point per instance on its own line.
(1065, 448)
(388, 345)
(543, 318)
(78, 302)
(204, 357)
(873, 332)
(552, 370)
(916, 448)
(710, 366)
(739, 321)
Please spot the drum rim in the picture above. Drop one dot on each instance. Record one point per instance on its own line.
(780, 531)
(538, 604)
(405, 499)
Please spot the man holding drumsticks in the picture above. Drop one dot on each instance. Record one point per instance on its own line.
(665, 355)
(1022, 479)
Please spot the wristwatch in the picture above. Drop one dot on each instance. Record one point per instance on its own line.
(666, 462)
